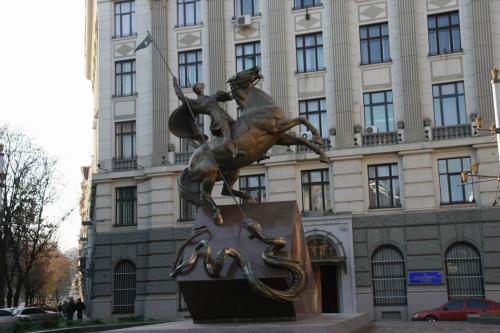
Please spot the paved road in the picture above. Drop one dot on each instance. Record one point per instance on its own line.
(438, 327)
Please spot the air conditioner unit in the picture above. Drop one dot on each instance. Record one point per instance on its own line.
(306, 135)
(244, 21)
(371, 130)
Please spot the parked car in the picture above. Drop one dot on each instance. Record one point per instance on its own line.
(34, 313)
(458, 310)
(7, 320)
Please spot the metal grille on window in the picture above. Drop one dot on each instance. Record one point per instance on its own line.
(388, 276)
(464, 273)
(124, 287)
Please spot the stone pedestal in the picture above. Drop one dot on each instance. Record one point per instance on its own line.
(325, 323)
(229, 298)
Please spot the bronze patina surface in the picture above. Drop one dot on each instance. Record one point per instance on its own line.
(228, 296)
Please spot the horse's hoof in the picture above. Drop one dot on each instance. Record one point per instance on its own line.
(324, 159)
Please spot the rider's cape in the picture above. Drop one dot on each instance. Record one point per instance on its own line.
(182, 125)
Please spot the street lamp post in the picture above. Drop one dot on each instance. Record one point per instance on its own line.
(495, 86)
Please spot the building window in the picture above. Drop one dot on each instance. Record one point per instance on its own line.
(125, 140)
(450, 181)
(254, 185)
(247, 56)
(124, 287)
(126, 206)
(374, 42)
(124, 78)
(187, 211)
(124, 18)
(310, 53)
(246, 7)
(315, 111)
(315, 190)
(379, 111)
(190, 68)
(388, 276)
(464, 272)
(299, 4)
(444, 33)
(449, 104)
(188, 13)
(383, 186)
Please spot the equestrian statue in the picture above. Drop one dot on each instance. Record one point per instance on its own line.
(235, 143)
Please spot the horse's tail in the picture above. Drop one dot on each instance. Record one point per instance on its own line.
(188, 189)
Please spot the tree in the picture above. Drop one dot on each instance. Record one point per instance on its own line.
(26, 232)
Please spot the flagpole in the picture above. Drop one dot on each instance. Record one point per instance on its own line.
(161, 54)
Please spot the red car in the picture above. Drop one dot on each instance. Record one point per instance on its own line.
(458, 310)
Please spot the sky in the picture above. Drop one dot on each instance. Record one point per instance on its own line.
(44, 92)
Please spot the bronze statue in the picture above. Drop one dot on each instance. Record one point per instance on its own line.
(262, 124)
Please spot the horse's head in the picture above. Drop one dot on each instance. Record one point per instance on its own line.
(243, 81)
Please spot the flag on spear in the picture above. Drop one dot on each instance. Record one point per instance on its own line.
(144, 43)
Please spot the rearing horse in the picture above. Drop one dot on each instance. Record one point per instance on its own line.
(261, 126)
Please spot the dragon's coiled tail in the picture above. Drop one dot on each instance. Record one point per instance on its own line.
(214, 265)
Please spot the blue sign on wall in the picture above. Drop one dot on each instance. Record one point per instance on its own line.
(425, 277)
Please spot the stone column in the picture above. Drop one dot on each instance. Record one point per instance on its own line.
(216, 46)
(483, 54)
(342, 75)
(277, 53)
(161, 79)
(409, 72)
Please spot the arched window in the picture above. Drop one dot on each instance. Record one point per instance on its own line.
(388, 276)
(124, 287)
(464, 272)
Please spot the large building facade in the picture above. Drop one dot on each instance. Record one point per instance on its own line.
(394, 86)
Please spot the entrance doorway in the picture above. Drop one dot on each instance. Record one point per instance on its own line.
(328, 268)
(327, 284)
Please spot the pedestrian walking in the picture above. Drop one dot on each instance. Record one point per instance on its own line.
(80, 307)
(70, 309)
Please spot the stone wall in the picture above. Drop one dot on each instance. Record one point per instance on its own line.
(423, 238)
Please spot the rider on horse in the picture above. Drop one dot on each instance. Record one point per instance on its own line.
(183, 125)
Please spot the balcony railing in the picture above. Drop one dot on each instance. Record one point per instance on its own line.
(451, 132)
(183, 157)
(326, 146)
(121, 164)
(380, 139)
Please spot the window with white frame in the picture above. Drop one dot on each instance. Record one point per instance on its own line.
(124, 18)
(309, 52)
(126, 206)
(254, 185)
(125, 78)
(444, 33)
(299, 4)
(246, 7)
(315, 111)
(383, 186)
(125, 140)
(188, 13)
(247, 56)
(374, 43)
(449, 104)
(315, 190)
(190, 68)
(450, 181)
(379, 110)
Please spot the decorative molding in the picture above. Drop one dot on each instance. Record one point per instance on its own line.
(124, 108)
(315, 22)
(372, 12)
(311, 86)
(447, 69)
(250, 32)
(123, 50)
(435, 5)
(376, 78)
(189, 39)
